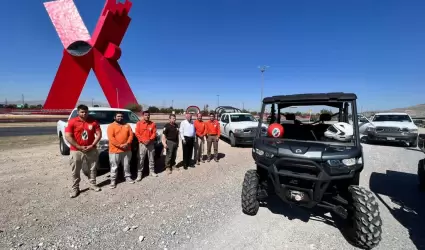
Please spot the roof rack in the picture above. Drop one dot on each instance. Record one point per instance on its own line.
(226, 109)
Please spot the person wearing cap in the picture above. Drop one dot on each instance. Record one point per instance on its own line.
(187, 135)
(213, 136)
(146, 134)
(200, 130)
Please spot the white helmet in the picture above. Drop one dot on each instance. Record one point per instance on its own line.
(340, 131)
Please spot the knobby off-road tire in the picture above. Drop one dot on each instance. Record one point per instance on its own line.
(250, 204)
(364, 223)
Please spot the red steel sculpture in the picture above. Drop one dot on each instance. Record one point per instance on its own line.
(83, 53)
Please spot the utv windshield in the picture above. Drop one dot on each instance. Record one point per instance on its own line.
(332, 123)
(391, 118)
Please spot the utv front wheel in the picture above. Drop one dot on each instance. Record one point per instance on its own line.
(364, 221)
(250, 203)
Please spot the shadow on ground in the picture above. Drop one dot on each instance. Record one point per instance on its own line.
(407, 202)
(276, 206)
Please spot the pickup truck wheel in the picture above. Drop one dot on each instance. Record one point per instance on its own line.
(232, 140)
(62, 146)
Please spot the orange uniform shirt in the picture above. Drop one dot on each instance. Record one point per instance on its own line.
(145, 131)
(119, 134)
(200, 128)
(212, 127)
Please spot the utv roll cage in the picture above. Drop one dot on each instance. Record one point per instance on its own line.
(226, 109)
(339, 100)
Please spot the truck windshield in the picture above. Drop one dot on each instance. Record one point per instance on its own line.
(391, 118)
(242, 118)
(107, 117)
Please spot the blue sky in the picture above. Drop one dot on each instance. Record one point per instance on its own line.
(191, 51)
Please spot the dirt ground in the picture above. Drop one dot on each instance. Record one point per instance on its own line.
(37, 213)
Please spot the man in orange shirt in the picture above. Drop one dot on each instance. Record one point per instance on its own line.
(120, 137)
(213, 134)
(146, 134)
(200, 138)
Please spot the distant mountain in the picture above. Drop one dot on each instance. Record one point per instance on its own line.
(414, 111)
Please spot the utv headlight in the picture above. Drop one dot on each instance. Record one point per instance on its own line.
(345, 162)
(413, 131)
(262, 153)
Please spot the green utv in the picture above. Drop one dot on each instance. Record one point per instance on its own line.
(314, 164)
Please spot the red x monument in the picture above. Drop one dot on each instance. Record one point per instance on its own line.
(82, 53)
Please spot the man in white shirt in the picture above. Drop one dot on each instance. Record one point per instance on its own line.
(187, 135)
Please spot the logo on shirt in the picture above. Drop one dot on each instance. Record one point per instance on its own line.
(90, 127)
(85, 135)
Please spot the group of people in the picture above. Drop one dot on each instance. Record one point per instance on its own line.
(83, 133)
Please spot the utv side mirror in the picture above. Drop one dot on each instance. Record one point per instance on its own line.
(421, 141)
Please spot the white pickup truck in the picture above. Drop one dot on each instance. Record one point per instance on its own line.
(104, 116)
(396, 127)
(239, 128)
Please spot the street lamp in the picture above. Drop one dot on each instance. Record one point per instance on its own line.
(218, 101)
(262, 69)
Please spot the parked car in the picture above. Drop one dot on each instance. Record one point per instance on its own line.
(393, 127)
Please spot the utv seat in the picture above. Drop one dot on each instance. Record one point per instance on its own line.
(319, 129)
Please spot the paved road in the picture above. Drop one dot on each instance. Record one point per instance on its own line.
(28, 131)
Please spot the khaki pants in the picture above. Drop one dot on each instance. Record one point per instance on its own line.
(150, 151)
(199, 148)
(212, 139)
(116, 159)
(76, 162)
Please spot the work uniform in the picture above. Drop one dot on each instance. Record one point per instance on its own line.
(83, 133)
(213, 133)
(119, 134)
(146, 134)
(187, 135)
(200, 130)
(171, 133)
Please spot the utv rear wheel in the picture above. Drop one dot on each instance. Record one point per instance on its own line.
(250, 203)
(364, 222)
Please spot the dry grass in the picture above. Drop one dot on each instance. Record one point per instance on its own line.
(15, 142)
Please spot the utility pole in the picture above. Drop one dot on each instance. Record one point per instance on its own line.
(5, 101)
(172, 104)
(92, 102)
(243, 106)
(218, 100)
(262, 69)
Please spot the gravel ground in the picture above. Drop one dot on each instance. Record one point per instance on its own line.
(198, 208)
